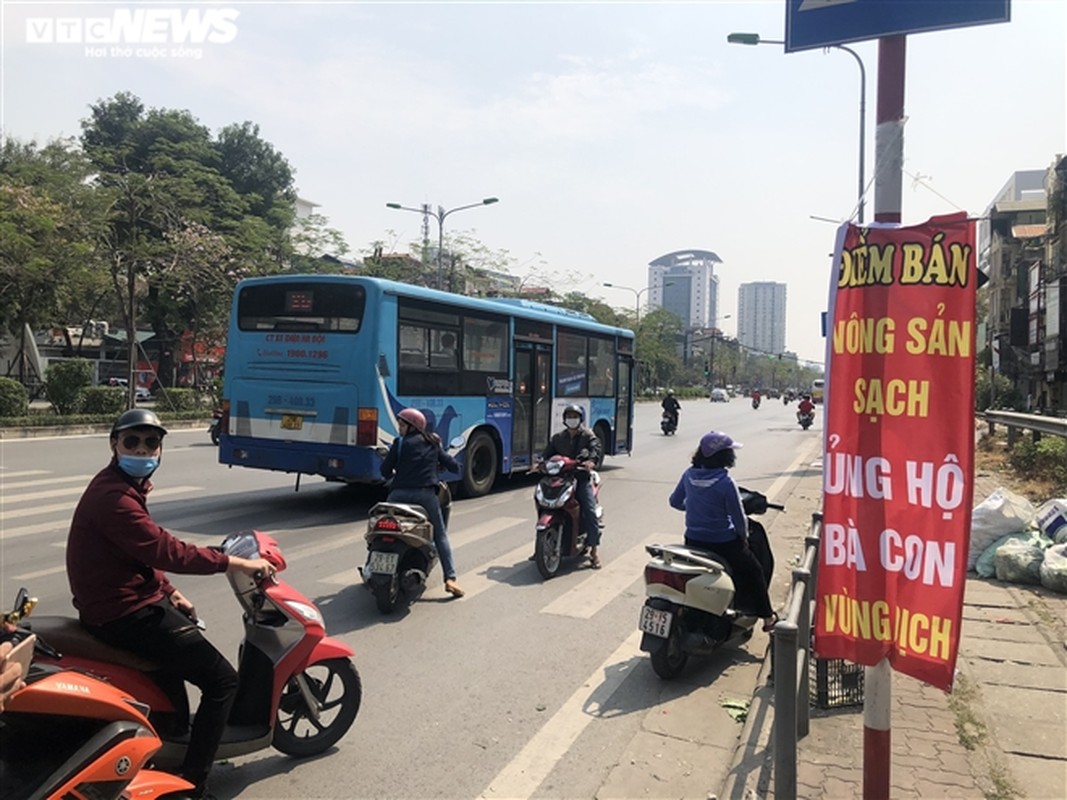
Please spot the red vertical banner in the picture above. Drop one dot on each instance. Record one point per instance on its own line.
(898, 468)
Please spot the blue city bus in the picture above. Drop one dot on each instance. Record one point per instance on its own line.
(318, 366)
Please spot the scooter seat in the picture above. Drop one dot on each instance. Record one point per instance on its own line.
(68, 636)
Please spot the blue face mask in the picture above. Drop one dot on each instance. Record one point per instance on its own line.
(138, 466)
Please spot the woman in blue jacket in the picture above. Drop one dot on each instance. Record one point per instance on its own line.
(715, 520)
(413, 461)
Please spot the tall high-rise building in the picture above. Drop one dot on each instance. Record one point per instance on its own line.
(761, 316)
(684, 283)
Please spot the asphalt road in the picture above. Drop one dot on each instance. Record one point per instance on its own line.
(523, 688)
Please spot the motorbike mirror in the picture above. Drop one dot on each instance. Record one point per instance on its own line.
(24, 605)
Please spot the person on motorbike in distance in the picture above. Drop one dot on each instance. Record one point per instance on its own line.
(580, 443)
(672, 406)
(805, 406)
(116, 561)
(413, 461)
(715, 520)
(755, 396)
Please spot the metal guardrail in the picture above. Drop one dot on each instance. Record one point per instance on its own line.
(790, 666)
(1016, 422)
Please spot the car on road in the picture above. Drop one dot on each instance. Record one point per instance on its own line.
(719, 396)
(139, 392)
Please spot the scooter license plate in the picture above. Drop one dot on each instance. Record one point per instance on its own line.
(655, 621)
(383, 562)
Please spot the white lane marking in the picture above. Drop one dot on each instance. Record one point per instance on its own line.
(11, 533)
(23, 498)
(786, 476)
(601, 587)
(473, 582)
(477, 580)
(42, 527)
(43, 573)
(461, 535)
(520, 779)
(51, 481)
(21, 473)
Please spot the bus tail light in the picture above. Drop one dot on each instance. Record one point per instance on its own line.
(367, 427)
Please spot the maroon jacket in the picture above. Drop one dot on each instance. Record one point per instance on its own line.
(116, 553)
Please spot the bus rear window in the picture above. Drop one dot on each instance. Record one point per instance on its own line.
(325, 307)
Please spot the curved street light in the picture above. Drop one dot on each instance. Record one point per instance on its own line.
(440, 215)
(637, 296)
(754, 38)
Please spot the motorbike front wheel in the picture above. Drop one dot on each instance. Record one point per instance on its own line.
(336, 685)
(669, 661)
(548, 552)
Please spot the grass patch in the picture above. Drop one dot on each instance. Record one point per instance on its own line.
(970, 730)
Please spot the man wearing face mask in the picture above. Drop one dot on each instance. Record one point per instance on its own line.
(117, 557)
(580, 443)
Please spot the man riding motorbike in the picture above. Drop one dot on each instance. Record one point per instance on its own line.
(805, 406)
(671, 406)
(580, 443)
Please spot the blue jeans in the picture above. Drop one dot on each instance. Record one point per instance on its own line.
(427, 498)
(587, 502)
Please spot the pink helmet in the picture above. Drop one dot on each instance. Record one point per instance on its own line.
(413, 417)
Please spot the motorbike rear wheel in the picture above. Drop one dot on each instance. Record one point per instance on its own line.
(336, 685)
(669, 661)
(548, 551)
(386, 594)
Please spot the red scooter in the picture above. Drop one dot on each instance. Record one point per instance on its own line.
(298, 689)
(66, 736)
(559, 531)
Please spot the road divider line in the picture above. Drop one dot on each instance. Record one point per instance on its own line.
(22, 473)
(478, 580)
(41, 573)
(27, 497)
(462, 535)
(788, 475)
(601, 587)
(50, 481)
(528, 770)
(59, 526)
(69, 507)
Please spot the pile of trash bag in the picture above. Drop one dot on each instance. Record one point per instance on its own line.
(1017, 543)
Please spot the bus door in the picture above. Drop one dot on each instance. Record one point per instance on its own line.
(533, 407)
(624, 406)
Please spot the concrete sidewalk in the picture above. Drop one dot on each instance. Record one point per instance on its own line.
(1001, 734)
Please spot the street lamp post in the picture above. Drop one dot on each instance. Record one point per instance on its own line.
(754, 38)
(440, 215)
(637, 298)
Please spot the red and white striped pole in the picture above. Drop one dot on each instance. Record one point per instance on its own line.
(888, 201)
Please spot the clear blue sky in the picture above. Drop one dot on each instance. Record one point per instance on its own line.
(611, 132)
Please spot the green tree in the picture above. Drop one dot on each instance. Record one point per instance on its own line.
(49, 218)
(169, 183)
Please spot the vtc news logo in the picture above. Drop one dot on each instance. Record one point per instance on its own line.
(142, 26)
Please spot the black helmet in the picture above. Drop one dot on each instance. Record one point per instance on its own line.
(574, 409)
(137, 418)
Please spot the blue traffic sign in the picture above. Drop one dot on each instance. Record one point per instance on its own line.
(824, 23)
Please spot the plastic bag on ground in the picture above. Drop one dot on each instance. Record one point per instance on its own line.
(1019, 560)
(986, 564)
(1054, 569)
(1000, 513)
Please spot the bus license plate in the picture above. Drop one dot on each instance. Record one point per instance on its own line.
(655, 621)
(292, 422)
(384, 563)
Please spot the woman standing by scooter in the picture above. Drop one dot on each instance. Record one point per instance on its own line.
(413, 462)
(715, 520)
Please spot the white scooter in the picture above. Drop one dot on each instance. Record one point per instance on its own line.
(690, 592)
